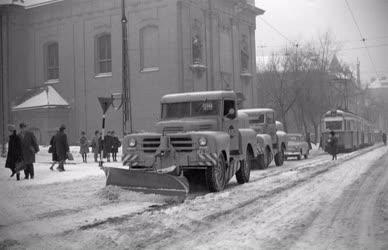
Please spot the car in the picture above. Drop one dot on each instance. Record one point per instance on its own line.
(296, 147)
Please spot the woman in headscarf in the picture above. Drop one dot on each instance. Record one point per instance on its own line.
(15, 154)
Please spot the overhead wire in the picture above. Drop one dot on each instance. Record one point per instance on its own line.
(363, 39)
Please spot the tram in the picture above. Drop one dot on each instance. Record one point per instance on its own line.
(353, 132)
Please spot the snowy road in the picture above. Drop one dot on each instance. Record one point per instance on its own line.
(314, 203)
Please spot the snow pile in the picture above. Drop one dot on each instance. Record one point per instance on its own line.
(111, 193)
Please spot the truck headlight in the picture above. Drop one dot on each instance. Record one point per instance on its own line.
(202, 141)
(132, 142)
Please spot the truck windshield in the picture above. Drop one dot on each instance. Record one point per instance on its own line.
(190, 109)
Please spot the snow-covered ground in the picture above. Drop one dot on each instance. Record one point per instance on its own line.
(74, 209)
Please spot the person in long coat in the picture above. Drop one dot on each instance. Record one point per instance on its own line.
(96, 145)
(84, 146)
(333, 145)
(53, 151)
(61, 147)
(14, 154)
(29, 149)
(108, 144)
(116, 145)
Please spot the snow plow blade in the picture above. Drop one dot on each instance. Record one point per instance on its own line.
(147, 182)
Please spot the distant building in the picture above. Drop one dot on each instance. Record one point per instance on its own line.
(73, 47)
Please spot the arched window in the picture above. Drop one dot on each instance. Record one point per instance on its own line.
(103, 54)
(149, 50)
(51, 61)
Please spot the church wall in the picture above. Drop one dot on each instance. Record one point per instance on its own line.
(74, 24)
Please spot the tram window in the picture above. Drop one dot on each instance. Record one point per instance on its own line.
(334, 125)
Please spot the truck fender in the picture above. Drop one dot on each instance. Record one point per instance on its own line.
(264, 141)
(248, 137)
(219, 142)
(281, 139)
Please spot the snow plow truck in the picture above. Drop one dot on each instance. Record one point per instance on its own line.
(198, 131)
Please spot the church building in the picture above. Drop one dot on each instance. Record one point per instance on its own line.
(58, 56)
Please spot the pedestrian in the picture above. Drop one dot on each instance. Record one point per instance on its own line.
(84, 146)
(53, 151)
(61, 147)
(116, 145)
(96, 145)
(308, 140)
(384, 138)
(108, 144)
(29, 149)
(333, 145)
(14, 155)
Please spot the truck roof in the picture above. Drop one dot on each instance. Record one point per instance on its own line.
(198, 96)
(256, 111)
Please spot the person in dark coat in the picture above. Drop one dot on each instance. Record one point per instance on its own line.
(385, 138)
(108, 144)
(53, 151)
(96, 145)
(15, 154)
(29, 149)
(308, 140)
(116, 145)
(61, 147)
(333, 145)
(84, 146)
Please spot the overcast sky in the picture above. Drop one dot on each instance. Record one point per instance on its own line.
(304, 20)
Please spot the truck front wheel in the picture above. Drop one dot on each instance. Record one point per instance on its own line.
(279, 157)
(243, 174)
(215, 175)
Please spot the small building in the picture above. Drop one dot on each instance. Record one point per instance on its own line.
(75, 47)
(44, 109)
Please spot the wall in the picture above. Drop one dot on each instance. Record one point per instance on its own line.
(74, 24)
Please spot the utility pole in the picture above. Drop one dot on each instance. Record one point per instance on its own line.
(3, 151)
(126, 91)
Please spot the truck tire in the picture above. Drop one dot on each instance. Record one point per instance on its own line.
(265, 159)
(279, 157)
(243, 174)
(215, 175)
(306, 156)
(299, 156)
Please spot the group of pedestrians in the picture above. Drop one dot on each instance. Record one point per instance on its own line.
(59, 149)
(22, 148)
(107, 147)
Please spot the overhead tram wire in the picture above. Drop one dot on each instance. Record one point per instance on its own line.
(362, 37)
(280, 33)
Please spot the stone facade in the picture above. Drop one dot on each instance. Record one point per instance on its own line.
(174, 46)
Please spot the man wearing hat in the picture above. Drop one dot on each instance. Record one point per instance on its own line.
(29, 149)
(61, 147)
(333, 145)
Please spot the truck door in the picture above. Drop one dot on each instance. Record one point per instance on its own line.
(230, 123)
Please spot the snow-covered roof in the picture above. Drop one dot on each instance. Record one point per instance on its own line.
(28, 3)
(197, 96)
(255, 111)
(41, 98)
